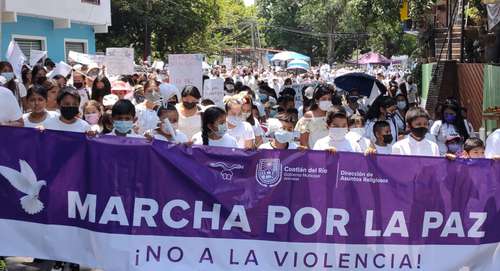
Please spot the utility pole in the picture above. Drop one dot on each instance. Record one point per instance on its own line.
(253, 40)
(462, 33)
(147, 39)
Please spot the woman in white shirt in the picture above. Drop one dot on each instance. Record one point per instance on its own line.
(451, 123)
(189, 116)
(247, 114)
(147, 117)
(337, 131)
(69, 104)
(168, 127)
(37, 102)
(238, 128)
(416, 143)
(313, 126)
(282, 136)
(214, 130)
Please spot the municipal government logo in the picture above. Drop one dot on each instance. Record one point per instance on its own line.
(269, 172)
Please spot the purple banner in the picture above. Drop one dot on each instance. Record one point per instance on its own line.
(110, 186)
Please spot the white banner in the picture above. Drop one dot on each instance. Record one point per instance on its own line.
(186, 69)
(120, 252)
(213, 89)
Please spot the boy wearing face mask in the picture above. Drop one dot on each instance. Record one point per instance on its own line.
(69, 105)
(123, 116)
(283, 136)
(416, 143)
(337, 130)
(383, 135)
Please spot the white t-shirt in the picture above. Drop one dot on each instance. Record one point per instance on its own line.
(79, 126)
(363, 142)
(410, 146)
(189, 125)
(226, 141)
(383, 150)
(9, 107)
(48, 116)
(493, 145)
(345, 145)
(242, 133)
(179, 137)
(268, 146)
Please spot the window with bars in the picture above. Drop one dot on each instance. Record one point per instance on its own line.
(95, 2)
(27, 45)
(79, 47)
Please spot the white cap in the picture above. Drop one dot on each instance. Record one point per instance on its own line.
(167, 91)
(109, 100)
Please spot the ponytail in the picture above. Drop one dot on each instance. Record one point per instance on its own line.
(210, 116)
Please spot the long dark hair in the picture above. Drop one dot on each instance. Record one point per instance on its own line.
(97, 94)
(34, 72)
(459, 122)
(247, 99)
(191, 91)
(381, 101)
(209, 117)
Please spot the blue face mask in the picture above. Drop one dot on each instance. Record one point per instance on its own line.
(8, 75)
(123, 126)
(221, 130)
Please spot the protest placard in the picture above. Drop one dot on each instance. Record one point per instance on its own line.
(36, 55)
(228, 62)
(16, 58)
(213, 89)
(186, 69)
(119, 61)
(62, 68)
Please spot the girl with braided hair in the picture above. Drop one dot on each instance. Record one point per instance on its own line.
(214, 130)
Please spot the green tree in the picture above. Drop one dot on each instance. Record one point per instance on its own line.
(168, 23)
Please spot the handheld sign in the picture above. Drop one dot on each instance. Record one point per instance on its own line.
(186, 69)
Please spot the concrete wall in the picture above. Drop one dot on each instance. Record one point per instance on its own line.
(74, 10)
(30, 26)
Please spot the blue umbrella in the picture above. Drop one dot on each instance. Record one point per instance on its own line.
(288, 55)
(298, 65)
(366, 84)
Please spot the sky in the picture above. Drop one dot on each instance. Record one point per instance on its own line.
(249, 2)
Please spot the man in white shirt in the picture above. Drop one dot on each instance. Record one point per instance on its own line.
(416, 144)
(10, 112)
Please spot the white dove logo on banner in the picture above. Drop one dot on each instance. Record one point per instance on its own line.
(26, 182)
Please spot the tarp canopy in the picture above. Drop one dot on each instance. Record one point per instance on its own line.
(288, 56)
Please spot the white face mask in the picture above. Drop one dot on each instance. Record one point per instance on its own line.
(337, 134)
(167, 127)
(284, 136)
(325, 105)
(245, 116)
(234, 120)
(401, 105)
(358, 131)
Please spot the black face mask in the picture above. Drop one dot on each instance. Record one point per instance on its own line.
(419, 132)
(69, 112)
(78, 85)
(388, 139)
(189, 105)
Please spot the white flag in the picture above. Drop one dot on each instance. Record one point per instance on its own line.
(16, 58)
(36, 55)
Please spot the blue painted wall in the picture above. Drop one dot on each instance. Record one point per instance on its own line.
(55, 37)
